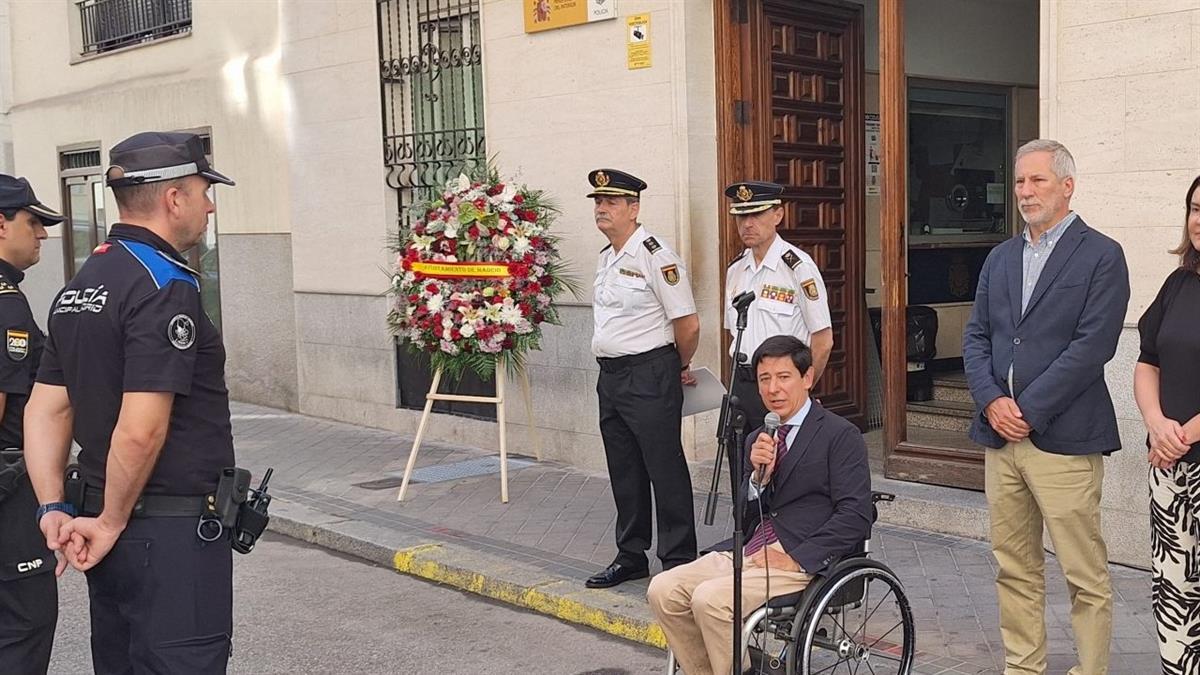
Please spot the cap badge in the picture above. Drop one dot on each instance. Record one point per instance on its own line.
(602, 179)
(744, 193)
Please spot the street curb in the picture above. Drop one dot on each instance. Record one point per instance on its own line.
(493, 577)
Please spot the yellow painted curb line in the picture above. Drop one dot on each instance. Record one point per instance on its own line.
(409, 561)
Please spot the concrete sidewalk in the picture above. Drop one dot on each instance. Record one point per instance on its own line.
(335, 485)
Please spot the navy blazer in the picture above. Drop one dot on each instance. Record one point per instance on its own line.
(819, 497)
(1057, 347)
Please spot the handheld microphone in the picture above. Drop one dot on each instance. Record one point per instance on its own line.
(770, 425)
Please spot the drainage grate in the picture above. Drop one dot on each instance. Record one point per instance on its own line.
(481, 466)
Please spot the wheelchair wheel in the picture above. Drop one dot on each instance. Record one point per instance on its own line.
(861, 623)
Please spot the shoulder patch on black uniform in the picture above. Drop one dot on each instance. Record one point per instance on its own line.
(17, 344)
(791, 259)
(652, 245)
(7, 286)
(737, 258)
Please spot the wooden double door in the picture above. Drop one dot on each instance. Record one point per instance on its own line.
(790, 86)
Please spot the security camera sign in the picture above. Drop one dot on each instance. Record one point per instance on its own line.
(638, 41)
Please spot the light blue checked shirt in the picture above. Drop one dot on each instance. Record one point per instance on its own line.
(1033, 261)
(1034, 256)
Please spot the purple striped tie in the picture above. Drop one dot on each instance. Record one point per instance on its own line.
(765, 534)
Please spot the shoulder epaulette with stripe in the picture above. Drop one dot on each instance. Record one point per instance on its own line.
(606, 248)
(652, 245)
(7, 287)
(737, 258)
(161, 267)
(791, 259)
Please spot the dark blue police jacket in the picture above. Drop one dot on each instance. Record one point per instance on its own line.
(1057, 347)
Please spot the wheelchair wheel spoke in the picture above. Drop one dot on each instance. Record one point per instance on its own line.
(889, 632)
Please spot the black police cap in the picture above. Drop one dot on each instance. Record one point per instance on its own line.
(752, 196)
(613, 183)
(16, 193)
(153, 156)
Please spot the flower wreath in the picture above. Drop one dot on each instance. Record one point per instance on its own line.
(476, 276)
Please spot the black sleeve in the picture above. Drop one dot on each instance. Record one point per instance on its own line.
(1152, 319)
(17, 325)
(160, 340)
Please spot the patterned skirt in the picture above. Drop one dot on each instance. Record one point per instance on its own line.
(1175, 555)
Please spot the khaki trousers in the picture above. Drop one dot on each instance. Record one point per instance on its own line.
(694, 605)
(1027, 487)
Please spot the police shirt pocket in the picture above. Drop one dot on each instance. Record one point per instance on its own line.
(198, 654)
(777, 307)
(633, 290)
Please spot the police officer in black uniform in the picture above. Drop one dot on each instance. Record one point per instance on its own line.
(646, 332)
(134, 360)
(28, 593)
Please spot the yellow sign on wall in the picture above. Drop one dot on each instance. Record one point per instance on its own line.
(543, 15)
(637, 41)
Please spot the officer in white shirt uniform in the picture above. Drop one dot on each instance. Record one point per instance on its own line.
(646, 331)
(790, 296)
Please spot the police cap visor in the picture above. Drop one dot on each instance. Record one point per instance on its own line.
(16, 193)
(154, 156)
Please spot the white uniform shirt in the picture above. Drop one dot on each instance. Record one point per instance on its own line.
(638, 291)
(790, 296)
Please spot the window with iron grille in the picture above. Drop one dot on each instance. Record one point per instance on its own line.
(112, 24)
(431, 87)
(431, 82)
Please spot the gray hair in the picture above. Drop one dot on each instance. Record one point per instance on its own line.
(1062, 163)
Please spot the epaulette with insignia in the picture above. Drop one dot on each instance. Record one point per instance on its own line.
(737, 258)
(7, 287)
(606, 248)
(652, 245)
(791, 259)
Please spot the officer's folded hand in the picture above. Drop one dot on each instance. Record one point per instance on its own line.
(57, 536)
(90, 540)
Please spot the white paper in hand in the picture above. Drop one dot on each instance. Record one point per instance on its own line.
(705, 396)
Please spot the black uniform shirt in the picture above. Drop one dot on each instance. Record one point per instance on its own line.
(131, 321)
(23, 349)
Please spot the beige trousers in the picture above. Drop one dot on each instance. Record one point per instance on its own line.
(1027, 488)
(694, 605)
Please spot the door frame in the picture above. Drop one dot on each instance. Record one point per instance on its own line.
(737, 24)
(739, 41)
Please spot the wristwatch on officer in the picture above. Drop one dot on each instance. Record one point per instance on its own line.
(685, 367)
(65, 507)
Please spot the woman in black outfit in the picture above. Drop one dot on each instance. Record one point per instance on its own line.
(1166, 384)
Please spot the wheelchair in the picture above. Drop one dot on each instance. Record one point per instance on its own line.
(853, 618)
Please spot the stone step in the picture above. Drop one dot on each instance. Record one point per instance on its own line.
(951, 388)
(944, 415)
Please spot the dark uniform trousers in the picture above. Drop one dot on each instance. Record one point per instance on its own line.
(162, 601)
(745, 388)
(641, 400)
(28, 588)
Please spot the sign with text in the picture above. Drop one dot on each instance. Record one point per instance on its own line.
(638, 41)
(543, 15)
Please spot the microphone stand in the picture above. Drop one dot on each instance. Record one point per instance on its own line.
(731, 428)
(739, 512)
(729, 402)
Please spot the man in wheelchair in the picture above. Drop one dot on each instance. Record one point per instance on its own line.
(815, 497)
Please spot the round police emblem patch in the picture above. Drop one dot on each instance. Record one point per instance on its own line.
(181, 331)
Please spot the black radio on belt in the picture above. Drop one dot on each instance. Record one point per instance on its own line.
(237, 509)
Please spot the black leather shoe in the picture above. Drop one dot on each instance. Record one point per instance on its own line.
(616, 573)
